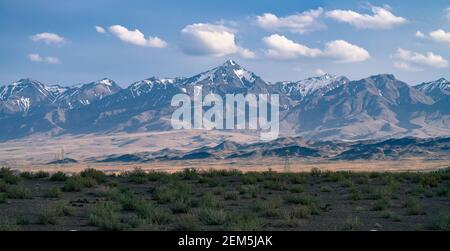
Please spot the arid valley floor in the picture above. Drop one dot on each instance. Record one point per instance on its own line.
(257, 193)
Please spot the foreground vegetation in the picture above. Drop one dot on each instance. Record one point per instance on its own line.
(224, 200)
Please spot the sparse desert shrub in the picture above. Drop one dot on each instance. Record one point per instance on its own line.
(390, 215)
(154, 214)
(231, 195)
(41, 175)
(441, 222)
(246, 222)
(297, 178)
(180, 206)
(381, 204)
(77, 183)
(301, 212)
(413, 206)
(277, 185)
(104, 216)
(249, 191)
(189, 174)
(8, 176)
(352, 224)
(27, 175)
(98, 176)
(172, 191)
(268, 208)
(21, 221)
(296, 188)
(444, 191)
(211, 216)
(137, 176)
(300, 199)
(7, 225)
(208, 200)
(3, 198)
(58, 176)
(18, 192)
(187, 222)
(326, 189)
(4, 171)
(155, 176)
(62, 209)
(47, 216)
(316, 172)
(430, 180)
(54, 192)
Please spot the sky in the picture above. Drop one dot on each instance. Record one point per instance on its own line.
(71, 42)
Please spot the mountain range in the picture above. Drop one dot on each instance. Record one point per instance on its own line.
(326, 107)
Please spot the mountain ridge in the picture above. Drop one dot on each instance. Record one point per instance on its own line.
(323, 107)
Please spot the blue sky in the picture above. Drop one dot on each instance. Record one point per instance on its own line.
(57, 42)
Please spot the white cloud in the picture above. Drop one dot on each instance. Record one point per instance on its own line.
(136, 37)
(419, 34)
(447, 13)
(34, 57)
(382, 18)
(320, 72)
(48, 38)
(299, 23)
(100, 29)
(418, 59)
(345, 52)
(406, 67)
(280, 47)
(212, 39)
(440, 36)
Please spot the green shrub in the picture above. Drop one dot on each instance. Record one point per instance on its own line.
(268, 208)
(381, 204)
(246, 222)
(137, 176)
(352, 224)
(301, 212)
(54, 192)
(27, 175)
(441, 222)
(98, 176)
(18, 192)
(7, 225)
(210, 216)
(231, 195)
(41, 175)
(104, 216)
(58, 176)
(187, 222)
(154, 214)
(77, 183)
(208, 200)
(391, 215)
(413, 206)
(172, 191)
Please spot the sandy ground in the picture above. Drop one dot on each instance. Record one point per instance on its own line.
(264, 164)
(33, 153)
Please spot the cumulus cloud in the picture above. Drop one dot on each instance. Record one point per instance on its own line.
(419, 34)
(440, 36)
(406, 67)
(381, 18)
(320, 72)
(299, 23)
(414, 59)
(211, 39)
(136, 37)
(100, 29)
(34, 57)
(280, 47)
(48, 38)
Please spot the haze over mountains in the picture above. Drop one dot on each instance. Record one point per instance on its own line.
(321, 108)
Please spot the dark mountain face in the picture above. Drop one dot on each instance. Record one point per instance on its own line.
(438, 90)
(376, 106)
(326, 107)
(78, 96)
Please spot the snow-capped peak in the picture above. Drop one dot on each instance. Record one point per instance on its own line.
(308, 86)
